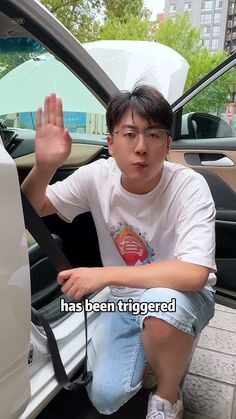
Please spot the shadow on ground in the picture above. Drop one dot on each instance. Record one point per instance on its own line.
(76, 405)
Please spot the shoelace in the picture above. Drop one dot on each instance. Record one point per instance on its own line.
(156, 415)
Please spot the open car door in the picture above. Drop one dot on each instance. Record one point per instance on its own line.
(204, 138)
(27, 278)
(14, 295)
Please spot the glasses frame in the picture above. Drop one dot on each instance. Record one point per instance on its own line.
(140, 132)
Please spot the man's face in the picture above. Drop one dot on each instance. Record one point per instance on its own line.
(139, 150)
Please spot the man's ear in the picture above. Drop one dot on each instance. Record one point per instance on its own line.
(110, 144)
(169, 141)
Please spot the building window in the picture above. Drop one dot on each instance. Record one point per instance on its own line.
(218, 4)
(188, 6)
(207, 5)
(206, 18)
(206, 43)
(172, 8)
(206, 31)
(214, 44)
(216, 31)
(231, 9)
(217, 17)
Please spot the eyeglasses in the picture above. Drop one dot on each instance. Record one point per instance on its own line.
(152, 135)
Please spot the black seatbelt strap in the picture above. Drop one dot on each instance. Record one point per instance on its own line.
(42, 235)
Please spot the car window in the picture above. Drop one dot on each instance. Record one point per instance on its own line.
(211, 114)
(28, 73)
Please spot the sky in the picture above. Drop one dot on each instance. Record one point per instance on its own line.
(156, 6)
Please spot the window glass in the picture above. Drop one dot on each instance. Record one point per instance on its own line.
(206, 18)
(207, 5)
(28, 72)
(218, 4)
(217, 17)
(212, 113)
(32, 72)
(206, 31)
(231, 8)
(216, 31)
(187, 6)
(214, 44)
(172, 7)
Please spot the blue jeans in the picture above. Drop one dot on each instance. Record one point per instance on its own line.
(115, 352)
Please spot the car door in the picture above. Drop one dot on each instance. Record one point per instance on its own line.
(28, 382)
(204, 138)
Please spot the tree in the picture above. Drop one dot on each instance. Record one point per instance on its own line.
(123, 10)
(91, 20)
(79, 16)
(180, 35)
(185, 39)
(15, 51)
(133, 29)
(214, 97)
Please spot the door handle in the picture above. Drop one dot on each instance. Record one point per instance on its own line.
(222, 162)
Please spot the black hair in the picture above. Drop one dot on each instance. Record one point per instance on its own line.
(146, 101)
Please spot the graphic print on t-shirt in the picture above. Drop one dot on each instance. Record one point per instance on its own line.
(131, 244)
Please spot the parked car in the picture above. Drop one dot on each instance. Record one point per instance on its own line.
(204, 138)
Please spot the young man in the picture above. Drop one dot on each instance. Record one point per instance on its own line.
(155, 224)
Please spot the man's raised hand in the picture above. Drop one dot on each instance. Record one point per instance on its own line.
(52, 141)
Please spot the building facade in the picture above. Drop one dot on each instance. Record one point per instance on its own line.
(211, 16)
(230, 39)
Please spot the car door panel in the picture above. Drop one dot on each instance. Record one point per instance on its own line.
(80, 155)
(222, 183)
(207, 144)
(222, 179)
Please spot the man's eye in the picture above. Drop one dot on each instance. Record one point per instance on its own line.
(130, 135)
(154, 134)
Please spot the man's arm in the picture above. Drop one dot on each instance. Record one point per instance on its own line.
(175, 274)
(52, 147)
(34, 187)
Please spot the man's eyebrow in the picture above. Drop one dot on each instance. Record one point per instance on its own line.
(129, 126)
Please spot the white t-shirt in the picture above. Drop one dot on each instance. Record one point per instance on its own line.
(173, 221)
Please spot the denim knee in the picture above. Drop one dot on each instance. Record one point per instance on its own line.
(106, 398)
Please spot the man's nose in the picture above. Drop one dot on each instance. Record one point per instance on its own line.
(141, 145)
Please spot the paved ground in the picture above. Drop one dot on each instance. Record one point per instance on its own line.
(210, 385)
(209, 389)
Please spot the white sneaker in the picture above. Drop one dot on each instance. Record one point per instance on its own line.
(159, 408)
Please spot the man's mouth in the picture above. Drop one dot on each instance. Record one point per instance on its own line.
(140, 164)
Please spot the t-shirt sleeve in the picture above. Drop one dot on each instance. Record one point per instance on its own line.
(195, 233)
(70, 196)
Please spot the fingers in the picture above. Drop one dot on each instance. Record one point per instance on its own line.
(67, 137)
(52, 109)
(46, 110)
(63, 276)
(69, 283)
(39, 114)
(59, 119)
